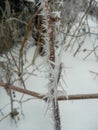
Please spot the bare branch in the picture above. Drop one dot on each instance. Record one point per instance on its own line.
(41, 96)
(28, 92)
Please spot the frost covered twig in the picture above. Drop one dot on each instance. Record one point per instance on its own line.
(12, 114)
(90, 52)
(80, 24)
(53, 88)
(27, 32)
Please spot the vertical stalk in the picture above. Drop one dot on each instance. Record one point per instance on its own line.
(55, 105)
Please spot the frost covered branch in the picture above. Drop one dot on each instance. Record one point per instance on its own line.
(42, 96)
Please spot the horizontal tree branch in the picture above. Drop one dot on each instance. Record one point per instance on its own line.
(42, 96)
(21, 90)
(79, 97)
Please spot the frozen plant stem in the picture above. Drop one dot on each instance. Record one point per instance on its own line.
(55, 105)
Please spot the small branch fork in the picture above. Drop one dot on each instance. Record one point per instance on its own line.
(42, 96)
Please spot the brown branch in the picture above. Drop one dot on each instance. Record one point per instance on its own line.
(51, 34)
(79, 97)
(41, 96)
(21, 90)
(55, 105)
(30, 26)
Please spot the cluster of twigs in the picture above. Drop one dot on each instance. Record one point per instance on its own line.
(12, 35)
(12, 43)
